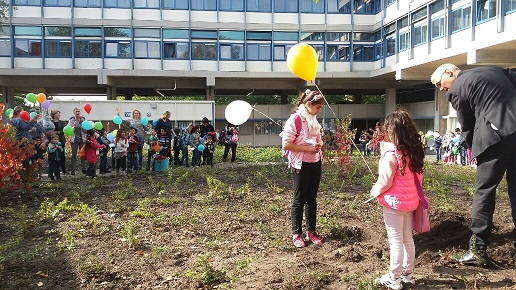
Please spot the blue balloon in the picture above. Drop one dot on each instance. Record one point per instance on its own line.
(32, 115)
(154, 123)
(117, 120)
(144, 121)
(86, 125)
(200, 147)
(110, 137)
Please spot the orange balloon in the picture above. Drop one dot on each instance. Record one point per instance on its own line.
(41, 97)
(302, 61)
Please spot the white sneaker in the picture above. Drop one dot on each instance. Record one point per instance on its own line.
(390, 283)
(408, 279)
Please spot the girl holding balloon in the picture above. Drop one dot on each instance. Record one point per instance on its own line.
(21, 121)
(139, 124)
(302, 138)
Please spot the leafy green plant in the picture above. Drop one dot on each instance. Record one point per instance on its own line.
(129, 233)
(205, 274)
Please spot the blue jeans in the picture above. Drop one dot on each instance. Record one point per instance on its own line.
(184, 157)
(132, 161)
(103, 161)
(140, 157)
(438, 153)
(195, 157)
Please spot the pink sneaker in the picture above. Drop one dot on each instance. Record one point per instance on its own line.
(298, 241)
(314, 237)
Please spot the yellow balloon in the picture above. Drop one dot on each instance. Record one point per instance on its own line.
(115, 132)
(302, 61)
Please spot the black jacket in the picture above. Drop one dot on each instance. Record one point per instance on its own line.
(485, 101)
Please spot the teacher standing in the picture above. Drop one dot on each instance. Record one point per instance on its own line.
(164, 123)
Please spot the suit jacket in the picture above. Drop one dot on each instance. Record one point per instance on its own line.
(485, 101)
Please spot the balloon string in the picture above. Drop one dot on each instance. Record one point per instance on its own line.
(268, 117)
(352, 141)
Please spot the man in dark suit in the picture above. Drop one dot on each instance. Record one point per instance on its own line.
(485, 101)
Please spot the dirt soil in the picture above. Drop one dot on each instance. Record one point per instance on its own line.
(180, 230)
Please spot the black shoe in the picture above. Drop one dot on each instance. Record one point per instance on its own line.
(472, 257)
(72, 173)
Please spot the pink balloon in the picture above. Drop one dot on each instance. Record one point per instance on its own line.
(45, 104)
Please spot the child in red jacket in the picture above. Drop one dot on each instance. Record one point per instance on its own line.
(92, 148)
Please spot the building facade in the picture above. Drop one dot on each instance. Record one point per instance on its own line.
(234, 47)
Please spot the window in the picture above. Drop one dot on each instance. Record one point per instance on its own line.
(58, 48)
(95, 31)
(204, 5)
(88, 48)
(87, 3)
(146, 4)
(309, 6)
(28, 47)
(363, 53)
(117, 32)
(391, 46)
(403, 41)
(285, 36)
(437, 27)
(378, 51)
(267, 127)
(319, 50)
(117, 3)
(259, 35)
(281, 51)
(204, 50)
(339, 6)
(390, 2)
(5, 47)
(231, 35)
(256, 51)
(27, 30)
(437, 6)
(57, 3)
(337, 36)
(258, 5)
(231, 5)
(176, 33)
(420, 33)
(147, 49)
(419, 15)
(461, 18)
(363, 36)
(312, 36)
(285, 6)
(510, 6)
(486, 9)
(58, 31)
(147, 32)
(337, 53)
(173, 50)
(118, 49)
(175, 4)
(27, 2)
(206, 34)
(232, 51)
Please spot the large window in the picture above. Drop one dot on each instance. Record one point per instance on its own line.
(258, 5)
(438, 27)
(258, 51)
(27, 2)
(28, 47)
(420, 34)
(309, 6)
(57, 3)
(175, 4)
(204, 5)
(88, 48)
(391, 45)
(231, 51)
(58, 48)
(486, 9)
(5, 47)
(27, 30)
(147, 49)
(339, 6)
(363, 53)
(87, 3)
(337, 53)
(231, 5)
(201, 50)
(510, 6)
(231, 35)
(281, 51)
(146, 4)
(285, 6)
(117, 32)
(337, 36)
(403, 40)
(118, 49)
(461, 18)
(117, 3)
(175, 50)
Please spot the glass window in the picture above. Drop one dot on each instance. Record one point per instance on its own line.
(285, 36)
(391, 46)
(204, 5)
(175, 50)
(5, 47)
(27, 2)
(312, 36)
(117, 3)
(403, 41)
(259, 35)
(339, 6)
(363, 53)
(420, 34)
(117, 32)
(338, 36)
(390, 2)
(285, 6)
(418, 15)
(58, 48)
(259, 5)
(389, 28)
(147, 32)
(486, 9)
(206, 34)
(510, 6)
(57, 3)
(281, 51)
(58, 31)
(231, 35)
(118, 49)
(175, 4)
(337, 53)
(87, 3)
(437, 6)
(438, 27)
(309, 6)
(204, 51)
(461, 18)
(176, 33)
(146, 3)
(258, 51)
(319, 50)
(88, 48)
(363, 36)
(27, 47)
(378, 50)
(147, 49)
(92, 31)
(403, 22)
(28, 30)
(231, 5)
(232, 51)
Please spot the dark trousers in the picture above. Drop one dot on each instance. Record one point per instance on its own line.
(184, 156)
(113, 159)
(120, 163)
(195, 157)
(91, 170)
(62, 162)
(306, 185)
(209, 158)
(204, 156)
(177, 161)
(438, 155)
(103, 162)
(150, 159)
(493, 163)
(132, 158)
(231, 146)
(53, 169)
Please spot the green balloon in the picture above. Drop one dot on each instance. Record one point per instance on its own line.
(31, 97)
(68, 131)
(98, 126)
(8, 112)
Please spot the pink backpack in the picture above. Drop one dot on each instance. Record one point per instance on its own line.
(235, 138)
(297, 122)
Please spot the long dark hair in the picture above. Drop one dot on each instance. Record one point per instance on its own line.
(315, 97)
(402, 130)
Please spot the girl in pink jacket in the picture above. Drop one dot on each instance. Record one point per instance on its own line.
(302, 140)
(401, 157)
(91, 153)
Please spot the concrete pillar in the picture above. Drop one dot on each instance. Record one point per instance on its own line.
(284, 99)
(111, 93)
(128, 97)
(442, 107)
(210, 93)
(7, 97)
(390, 100)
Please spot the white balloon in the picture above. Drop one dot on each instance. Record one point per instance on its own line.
(238, 112)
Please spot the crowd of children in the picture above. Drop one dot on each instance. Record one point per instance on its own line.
(451, 148)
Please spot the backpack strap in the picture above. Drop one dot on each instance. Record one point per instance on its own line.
(297, 122)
